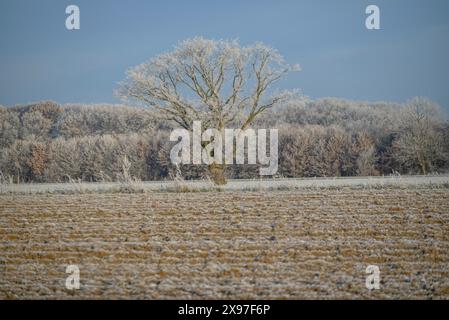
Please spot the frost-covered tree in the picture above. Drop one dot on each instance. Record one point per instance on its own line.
(9, 127)
(421, 141)
(216, 82)
(35, 124)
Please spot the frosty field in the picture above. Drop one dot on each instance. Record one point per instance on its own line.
(282, 244)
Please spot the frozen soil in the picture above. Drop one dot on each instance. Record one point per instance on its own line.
(284, 244)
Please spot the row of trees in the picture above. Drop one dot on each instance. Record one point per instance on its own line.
(47, 120)
(46, 142)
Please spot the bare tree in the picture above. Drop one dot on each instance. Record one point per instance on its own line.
(421, 141)
(35, 124)
(9, 127)
(216, 82)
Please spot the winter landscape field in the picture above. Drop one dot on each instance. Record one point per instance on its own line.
(233, 150)
(300, 243)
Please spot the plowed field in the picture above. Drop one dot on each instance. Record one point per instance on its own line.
(299, 244)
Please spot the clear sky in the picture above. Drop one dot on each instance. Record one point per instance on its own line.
(41, 60)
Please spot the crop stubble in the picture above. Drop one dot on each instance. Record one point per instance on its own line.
(298, 244)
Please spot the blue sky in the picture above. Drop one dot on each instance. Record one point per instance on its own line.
(409, 56)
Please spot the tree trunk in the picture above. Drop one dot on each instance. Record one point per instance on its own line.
(422, 164)
(423, 169)
(217, 173)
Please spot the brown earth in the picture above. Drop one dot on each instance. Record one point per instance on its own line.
(299, 244)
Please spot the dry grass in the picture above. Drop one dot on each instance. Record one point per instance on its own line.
(266, 244)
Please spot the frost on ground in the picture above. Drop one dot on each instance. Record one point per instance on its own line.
(232, 185)
(291, 244)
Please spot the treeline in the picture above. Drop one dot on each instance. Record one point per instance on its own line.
(46, 142)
